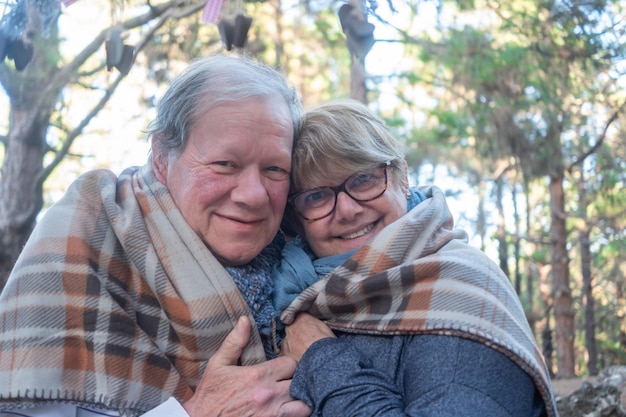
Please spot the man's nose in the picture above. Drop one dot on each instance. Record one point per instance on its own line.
(250, 189)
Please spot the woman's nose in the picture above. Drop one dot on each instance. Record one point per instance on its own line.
(347, 207)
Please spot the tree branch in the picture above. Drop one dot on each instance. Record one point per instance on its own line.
(71, 136)
(600, 140)
(63, 76)
(74, 133)
(408, 38)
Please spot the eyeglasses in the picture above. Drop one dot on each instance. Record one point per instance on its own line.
(320, 202)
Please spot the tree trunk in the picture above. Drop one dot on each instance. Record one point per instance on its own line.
(621, 301)
(358, 91)
(585, 264)
(531, 267)
(503, 255)
(517, 247)
(33, 93)
(20, 191)
(481, 216)
(545, 313)
(547, 347)
(590, 319)
(561, 292)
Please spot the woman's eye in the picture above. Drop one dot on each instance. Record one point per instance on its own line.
(316, 198)
(362, 179)
(313, 197)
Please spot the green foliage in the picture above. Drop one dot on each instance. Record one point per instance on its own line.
(525, 90)
(612, 351)
(540, 255)
(327, 28)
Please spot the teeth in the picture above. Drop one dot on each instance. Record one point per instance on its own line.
(359, 233)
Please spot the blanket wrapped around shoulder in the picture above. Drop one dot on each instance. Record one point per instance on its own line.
(114, 302)
(419, 276)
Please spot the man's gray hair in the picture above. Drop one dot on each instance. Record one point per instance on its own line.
(207, 83)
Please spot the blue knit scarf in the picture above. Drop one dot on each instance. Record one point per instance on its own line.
(254, 281)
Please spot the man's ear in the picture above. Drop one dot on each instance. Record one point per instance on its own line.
(159, 163)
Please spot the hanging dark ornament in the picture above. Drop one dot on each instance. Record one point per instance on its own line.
(20, 52)
(234, 30)
(127, 60)
(359, 32)
(114, 48)
(3, 46)
(118, 54)
(226, 28)
(242, 26)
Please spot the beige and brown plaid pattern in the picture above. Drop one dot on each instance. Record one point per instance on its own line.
(420, 276)
(115, 302)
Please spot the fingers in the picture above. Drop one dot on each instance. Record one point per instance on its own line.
(305, 330)
(230, 390)
(294, 409)
(232, 347)
(281, 368)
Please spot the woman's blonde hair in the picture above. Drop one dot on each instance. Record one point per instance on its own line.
(335, 140)
(339, 138)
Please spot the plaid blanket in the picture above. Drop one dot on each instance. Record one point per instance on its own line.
(419, 276)
(115, 302)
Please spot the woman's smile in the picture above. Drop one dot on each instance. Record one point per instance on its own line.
(360, 232)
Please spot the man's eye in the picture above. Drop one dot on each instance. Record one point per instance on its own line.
(277, 174)
(222, 163)
(223, 167)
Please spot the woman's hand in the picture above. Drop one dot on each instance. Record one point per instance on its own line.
(229, 390)
(302, 333)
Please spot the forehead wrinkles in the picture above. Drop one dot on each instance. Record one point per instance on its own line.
(271, 117)
(235, 119)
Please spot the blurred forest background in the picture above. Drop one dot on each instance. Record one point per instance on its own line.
(519, 105)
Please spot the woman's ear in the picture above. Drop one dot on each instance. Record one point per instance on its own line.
(404, 175)
(159, 162)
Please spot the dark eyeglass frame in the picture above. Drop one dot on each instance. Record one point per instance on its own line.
(337, 189)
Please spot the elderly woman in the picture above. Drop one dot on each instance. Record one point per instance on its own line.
(425, 324)
(143, 291)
